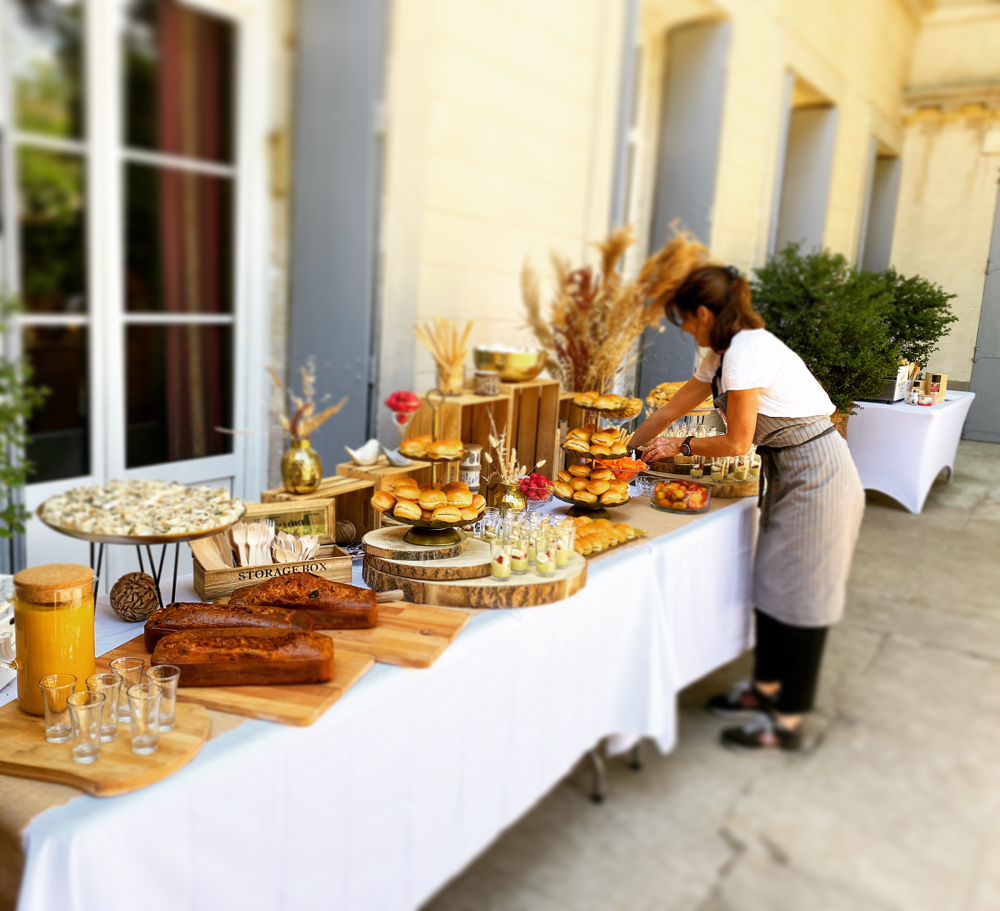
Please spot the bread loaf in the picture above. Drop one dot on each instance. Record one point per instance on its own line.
(244, 657)
(181, 616)
(332, 605)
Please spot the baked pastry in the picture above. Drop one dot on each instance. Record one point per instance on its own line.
(598, 449)
(598, 487)
(579, 483)
(432, 499)
(579, 470)
(383, 500)
(332, 605)
(563, 476)
(578, 445)
(407, 492)
(601, 474)
(478, 501)
(460, 498)
(585, 496)
(605, 437)
(611, 498)
(563, 489)
(427, 514)
(180, 616)
(584, 399)
(618, 450)
(406, 509)
(447, 513)
(446, 448)
(607, 402)
(407, 481)
(245, 657)
(470, 514)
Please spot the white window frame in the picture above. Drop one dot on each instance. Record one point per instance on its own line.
(106, 156)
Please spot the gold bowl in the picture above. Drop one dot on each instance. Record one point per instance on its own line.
(513, 366)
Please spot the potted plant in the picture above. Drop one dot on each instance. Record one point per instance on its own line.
(834, 318)
(919, 316)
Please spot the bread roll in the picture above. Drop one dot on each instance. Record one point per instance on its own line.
(598, 487)
(619, 487)
(564, 476)
(611, 499)
(585, 496)
(470, 514)
(447, 514)
(406, 509)
(427, 514)
(599, 450)
(460, 498)
(445, 448)
(432, 499)
(607, 402)
(604, 437)
(478, 501)
(455, 485)
(579, 433)
(584, 399)
(601, 474)
(407, 493)
(579, 471)
(383, 500)
(579, 483)
(563, 489)
(393, 483)
(413, 448)
(619, 450)
(578, 446)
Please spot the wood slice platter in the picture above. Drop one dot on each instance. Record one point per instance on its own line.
(527, 590)
(25, 753)
(474, 563)
(407, 635)
(296, 704)
(388, 544)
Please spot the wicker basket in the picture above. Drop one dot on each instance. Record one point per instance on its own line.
(839, 419)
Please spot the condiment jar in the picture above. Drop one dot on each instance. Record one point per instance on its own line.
(54, 628)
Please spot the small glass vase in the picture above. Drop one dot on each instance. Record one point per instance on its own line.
(512, 500)
(301, 468)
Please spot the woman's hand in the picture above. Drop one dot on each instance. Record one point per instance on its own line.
(662, 448)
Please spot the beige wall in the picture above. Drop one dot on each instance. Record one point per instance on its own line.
(951, 164)
(500, 126)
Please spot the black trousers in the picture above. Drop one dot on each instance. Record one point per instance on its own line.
(791, 656)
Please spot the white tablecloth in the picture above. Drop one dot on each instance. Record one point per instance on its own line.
(414, 772)
(900, 449)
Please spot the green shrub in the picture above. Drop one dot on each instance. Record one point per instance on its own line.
(834, 318)
(920, 315)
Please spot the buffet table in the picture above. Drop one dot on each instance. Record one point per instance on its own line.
(414, 772)
(900, 449)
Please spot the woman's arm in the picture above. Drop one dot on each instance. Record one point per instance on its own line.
(689, 396)
(741, 422)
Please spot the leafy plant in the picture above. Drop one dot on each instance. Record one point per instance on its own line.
(18, 401)
(920, 314)
(836, 319)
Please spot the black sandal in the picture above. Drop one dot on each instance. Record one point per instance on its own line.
(742, 700)
(761, 734)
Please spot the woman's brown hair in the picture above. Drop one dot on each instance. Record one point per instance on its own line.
(722, 291)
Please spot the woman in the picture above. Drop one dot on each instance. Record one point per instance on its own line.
(812, 508)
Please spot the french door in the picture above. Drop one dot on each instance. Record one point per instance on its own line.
(133, 238)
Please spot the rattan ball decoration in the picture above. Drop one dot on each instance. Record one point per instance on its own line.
(133, 597)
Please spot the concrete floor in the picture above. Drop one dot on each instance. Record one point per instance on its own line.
(896, 805)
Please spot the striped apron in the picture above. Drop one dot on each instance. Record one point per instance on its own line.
(810, 517)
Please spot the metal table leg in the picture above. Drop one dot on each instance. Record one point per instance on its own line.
(597, 773)
(155, 573)
(173, 588)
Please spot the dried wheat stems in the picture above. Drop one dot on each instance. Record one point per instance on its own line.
(449, 347)
(505, 463)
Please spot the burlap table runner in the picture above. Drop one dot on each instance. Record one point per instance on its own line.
(22, 799)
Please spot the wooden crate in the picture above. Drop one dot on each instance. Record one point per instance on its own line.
(381, 473)
(346, 498)
(331, 563)
(466, 417)
(303, 516)
(534, 421)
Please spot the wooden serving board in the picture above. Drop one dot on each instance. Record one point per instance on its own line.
(388, 544)
(25, 753)
(407, 635)
(297, 704)
(473, 564)
(528, 590)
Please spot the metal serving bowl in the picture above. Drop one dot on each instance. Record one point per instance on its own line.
(513, 366)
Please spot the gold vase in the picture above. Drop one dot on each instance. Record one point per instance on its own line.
(512, 500)
(301, 468)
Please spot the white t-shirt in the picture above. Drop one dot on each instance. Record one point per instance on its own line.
(756, 359)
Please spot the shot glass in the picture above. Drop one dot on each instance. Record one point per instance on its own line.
(519, 550)
(144, 700)
(565, 538)
(697, 466)
(85, 712)
(500, 549)
(491, 523)
(545, 555)
(130, 670)
(111, 686)
(166, 676)
(718, 469)
(56, 689)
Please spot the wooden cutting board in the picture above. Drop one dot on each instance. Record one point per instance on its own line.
(408, 635)
(296, 704)
(25, 753)
(528, 590)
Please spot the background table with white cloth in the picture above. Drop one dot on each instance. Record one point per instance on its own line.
(900, 449)
(413, 772)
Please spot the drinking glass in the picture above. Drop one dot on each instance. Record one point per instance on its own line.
(565, 538)
(500, 549)
(718, 469)
(56, 689)
(86, 711)
(545, 560)
(166, 676)
(646, 485)
(740, 471)
(144, 700)
(491, 521)
(697, 466)
(130, 670)
(754, 472)
(519, 550)
(110, 685)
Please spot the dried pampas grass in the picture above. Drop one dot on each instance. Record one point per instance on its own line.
(304, 420)
(596, 315)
